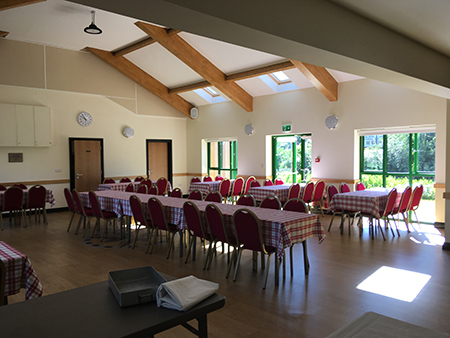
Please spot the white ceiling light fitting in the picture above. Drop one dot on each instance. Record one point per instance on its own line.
(92, 28)
(331, 121)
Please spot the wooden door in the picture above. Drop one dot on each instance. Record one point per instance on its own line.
(159, 159)
(86, 164)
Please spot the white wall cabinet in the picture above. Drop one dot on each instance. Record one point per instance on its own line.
(25, 126)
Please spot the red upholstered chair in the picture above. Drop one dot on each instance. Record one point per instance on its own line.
(237, 188)
(331, 191)
(415, 200)
(207, 179)
(162, 185)
(219, 178)
(125, 180)
(20, 185)
(403, 206)
(319, 189)
(294, 191)
(158, 217)
(2, 187)
(139, 179)
(176, 193)
(140, 220)
(387, 212)
(271, 202)
(108, 181)
(84, 212)
(246, 200)
(147, 182)
(107, 216)
(196, 195)
(224, 188)
(249, 236)
(248, 183)
(195, 179)
(214, 196)
(218, 230)
(308, 192)
(296, 204)
(130, 187)
(255, 184)
(343, 188)
(142, 189)
(13, 202)
(153, 190)
(71, 205)
(360, 186)
(195, 228)
(268, 183)
(279, 181)
(36, 200)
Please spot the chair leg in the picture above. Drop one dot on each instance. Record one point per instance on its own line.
(405, 219)
(331, 222)
(211, 251)
(171, 244)
(136, 236)
(267, 271)
(191, 242)
(291, 251)
(70, 223)
(232, 261)
(238, 260)
(79, 223)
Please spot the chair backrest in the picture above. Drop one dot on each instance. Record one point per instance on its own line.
(271, 202)
(295, 204)
(214, 196)
(343, 188)
(138, 210)
(195, 179)
(142, 189)
(207, 179)
(404, 202)
(216, 224)
(125, 180)
(130, 187)
(13, 198)
(416, 197)
(294, 191)
(36, 197)
(219, 178)
(390, 203)
(20, 185)
(224, 188)
(69, 200)
(176, 193)
(153, 190)
(319, 189)
(139, 179)
(78, 204)
(248, 230)
(162, 185)
(360, 186)
(278, 181)
(247, 200)
(2, 283)
(255, 184)
(195, 195)
(157, 213)
(2, 187)
(268, 183)
(95, 205)
(108, 181)
(194, 220)
(308, 192)
(331, 191)
(248, 182)
(238, 185)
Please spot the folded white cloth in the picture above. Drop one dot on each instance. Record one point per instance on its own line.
(182, 294)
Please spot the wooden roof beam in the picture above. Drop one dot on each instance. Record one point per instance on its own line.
(10, 4)
(196, 61)
(142, 78)
(320, 78)
(189, 87)
(3, 34)
(260, 71)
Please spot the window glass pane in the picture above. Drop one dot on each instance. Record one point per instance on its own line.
(373, 153)
(398, 153)
(226, 155)
(213, 173)
(372, 181)
(426, 145)
(308, 159)
(214, 153)
(426, 210)
(284, 151)
(397, 181)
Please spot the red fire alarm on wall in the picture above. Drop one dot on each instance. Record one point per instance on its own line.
(317, 159)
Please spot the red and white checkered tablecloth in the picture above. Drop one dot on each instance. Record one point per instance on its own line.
(281, 191)
(369, 201)
(49, 198)
(204, 187)
(281, 229)
(19, 273)
(116, 186)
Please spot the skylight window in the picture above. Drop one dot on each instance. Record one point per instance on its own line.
(280, 77)
(211, 91)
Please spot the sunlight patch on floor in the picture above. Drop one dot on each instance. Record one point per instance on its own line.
(395, 283)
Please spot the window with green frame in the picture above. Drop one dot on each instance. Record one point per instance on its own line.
(222, 159)
(291, 157)
(396, 160)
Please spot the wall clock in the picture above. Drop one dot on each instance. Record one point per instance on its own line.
(84, 119)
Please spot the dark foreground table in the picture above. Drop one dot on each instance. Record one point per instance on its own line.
(92, 311)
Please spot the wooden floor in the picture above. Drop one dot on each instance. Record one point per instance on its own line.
(304, 306)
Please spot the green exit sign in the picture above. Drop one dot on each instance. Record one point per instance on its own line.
(286, 128)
